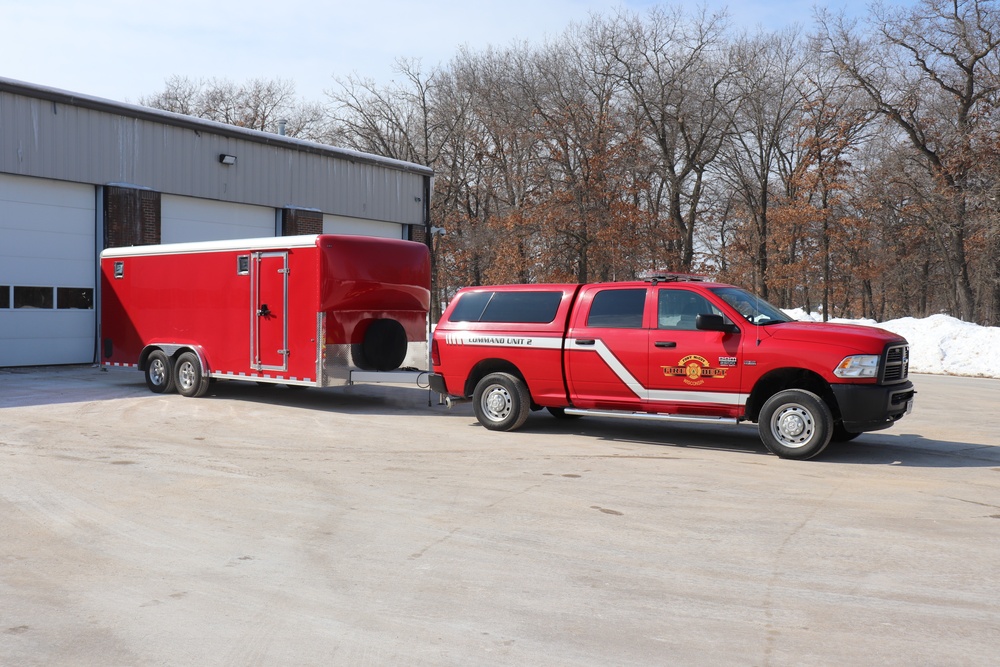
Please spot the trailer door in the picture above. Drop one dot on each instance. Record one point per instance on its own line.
(269, 347)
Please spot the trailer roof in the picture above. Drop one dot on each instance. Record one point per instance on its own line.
(266, 243)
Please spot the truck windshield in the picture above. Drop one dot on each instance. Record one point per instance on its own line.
(750, 306)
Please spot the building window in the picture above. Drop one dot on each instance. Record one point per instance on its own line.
(33, 297)
(4, 296)
(75, 298)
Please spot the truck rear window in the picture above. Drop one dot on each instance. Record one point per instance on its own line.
(527, 307)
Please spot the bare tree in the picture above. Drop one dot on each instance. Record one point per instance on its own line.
(933, 72)
(675, 72)
(768, 66)
(257, 104)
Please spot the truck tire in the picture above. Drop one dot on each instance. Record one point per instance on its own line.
(501, 402)
(188, 376)
(159, 373)
(795, 424)
(383, 347)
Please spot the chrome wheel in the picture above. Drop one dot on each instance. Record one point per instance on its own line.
(158, 373)
(496, 403)
(793, 426)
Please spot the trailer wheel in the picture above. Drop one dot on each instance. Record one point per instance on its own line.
(383, 347)
(501, 402)
(159, 373)
(188, 376)
(795, 424)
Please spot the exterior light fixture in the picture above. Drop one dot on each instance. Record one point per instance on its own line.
(227, 159)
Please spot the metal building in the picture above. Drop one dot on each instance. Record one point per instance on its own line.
(79, 174)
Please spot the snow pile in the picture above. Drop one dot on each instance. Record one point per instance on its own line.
(939, 344)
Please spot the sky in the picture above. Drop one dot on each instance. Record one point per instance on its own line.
(126, 49)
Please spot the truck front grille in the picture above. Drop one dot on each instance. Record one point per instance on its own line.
(896, 364)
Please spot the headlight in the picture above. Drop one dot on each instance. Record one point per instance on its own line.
(858, 366)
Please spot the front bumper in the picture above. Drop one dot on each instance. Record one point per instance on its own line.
(866, 407)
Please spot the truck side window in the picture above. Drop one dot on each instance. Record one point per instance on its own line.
(678, 309)
(525, 307)
(617, 309)
(470, 307)
(528, 307)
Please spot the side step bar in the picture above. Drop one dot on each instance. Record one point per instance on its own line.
(622, 414)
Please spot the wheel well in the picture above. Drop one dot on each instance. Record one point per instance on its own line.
(487, 366)
(789, 378)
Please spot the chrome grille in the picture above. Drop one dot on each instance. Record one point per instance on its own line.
(896, 364)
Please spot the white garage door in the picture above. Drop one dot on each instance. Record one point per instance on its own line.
(186, 219)
(338, 224)
(47, 272)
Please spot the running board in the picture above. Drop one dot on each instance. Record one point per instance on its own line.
(622, 414)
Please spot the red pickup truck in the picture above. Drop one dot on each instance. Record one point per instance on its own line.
(670, 349)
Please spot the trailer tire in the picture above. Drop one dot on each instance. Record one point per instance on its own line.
(190, 381)
(383, 347)
(159, 373)
(795, 424)
(501, 402)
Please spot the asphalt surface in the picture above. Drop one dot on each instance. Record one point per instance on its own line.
(371, 526)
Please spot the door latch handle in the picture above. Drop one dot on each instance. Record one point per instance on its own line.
(665, 343)
(586, 341)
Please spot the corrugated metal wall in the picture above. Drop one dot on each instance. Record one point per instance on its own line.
(54, 134)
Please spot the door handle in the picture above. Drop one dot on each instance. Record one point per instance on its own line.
(665, 343)
(586, 341)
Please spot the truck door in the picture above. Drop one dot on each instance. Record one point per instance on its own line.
(269, 303)
(691, 371)
(607, 355)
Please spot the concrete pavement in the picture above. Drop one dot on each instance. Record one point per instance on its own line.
(262, 526)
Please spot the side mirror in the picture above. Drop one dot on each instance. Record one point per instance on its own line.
(706, 322)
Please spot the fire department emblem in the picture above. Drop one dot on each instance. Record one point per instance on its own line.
(694, 369)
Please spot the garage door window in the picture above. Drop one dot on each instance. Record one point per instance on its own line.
(74, 298)
(47, 298)
(33, 297)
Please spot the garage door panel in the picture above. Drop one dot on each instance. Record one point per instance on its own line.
(185, 219)
(47, 239)
(337, 224)
(40, 338)
(37, 271)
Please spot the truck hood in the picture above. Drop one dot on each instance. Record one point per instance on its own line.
(854, 336)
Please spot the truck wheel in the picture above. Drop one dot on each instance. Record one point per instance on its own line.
(188, 376)
(159, 374)
(501, 402)
(795, 424)
(383, 347)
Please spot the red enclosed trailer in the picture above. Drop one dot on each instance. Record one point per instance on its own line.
(318, 310)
